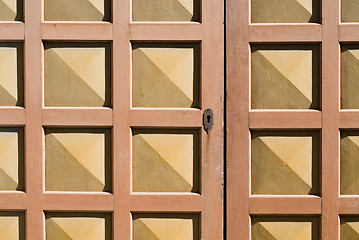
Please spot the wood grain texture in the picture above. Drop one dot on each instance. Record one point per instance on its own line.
(100, 117)
(33, 131)
(330, 119)
(121, 100)
(77, 31)
(285, 119)
(288, 205)
(267, 33)
(240, 34)
(12, 31)
(238, 102)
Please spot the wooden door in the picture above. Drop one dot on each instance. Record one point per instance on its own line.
(292, 119)
(101, 119)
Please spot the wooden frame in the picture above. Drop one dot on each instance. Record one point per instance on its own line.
(329, 120)
(121, 117)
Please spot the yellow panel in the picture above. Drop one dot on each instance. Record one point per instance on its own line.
(11, 74)
(350, 9)
(11, 10)
(78, 160)
(349, 162)
(165, 75)
(165, 160)
(166, 10)
(285, 228)
(77, 75)
(77, 10)
(285, 162)
(285, 77)
(349, 77)
(165, 227)
(349, 228)
(285, 11)
(11, 159)
(78, 226)
(12, 226)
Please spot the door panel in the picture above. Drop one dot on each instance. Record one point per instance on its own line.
(291, 120)
(101, 118)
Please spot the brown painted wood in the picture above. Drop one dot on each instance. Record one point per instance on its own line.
(330, 119)
(12, 31)
(240, 119)
(162, 31)
(77, 117)
(76, 31)
(181, 202)
(121, 117)
(238, 135)
(34, 164)
(348, 32)
(14, 116)
(13, 200)
(285, 120)
(286, 205)
(349, 205)
(166, 118)
(60, 201)
(348, 119)
(121, 98)
(285, 32)
(212, 88)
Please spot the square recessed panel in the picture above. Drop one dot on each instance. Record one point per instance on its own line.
(285, 163)
(77, 10)
(11, 74)
(349, 227)
(349, 94)
(77, 75)
(11, 10)
(285, 77)
(78, 160)
(288, 11)
(78, 226)
(285, 228)
(349, 10)
(166, 10)
(164, 226)
(11, 159)
(165, 160)
(165, 75)
(12, 226)
(349, 163)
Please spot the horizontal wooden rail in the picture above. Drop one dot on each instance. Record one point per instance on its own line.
(77, 117)
(64, 201)
(284, 33)
(12, 200)
(348, 119)
(349, 205)
(349, 32)
(168, 31)
(285, 119)
(188, 118)
(75, 31)
(12, 31)
(283, 205)
(176, 202)
(14, 116)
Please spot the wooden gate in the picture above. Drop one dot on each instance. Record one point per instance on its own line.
(292, 72)
(101, 119)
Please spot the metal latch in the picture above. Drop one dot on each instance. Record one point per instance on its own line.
(208, 119)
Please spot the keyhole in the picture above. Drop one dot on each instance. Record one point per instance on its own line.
(207, 119)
